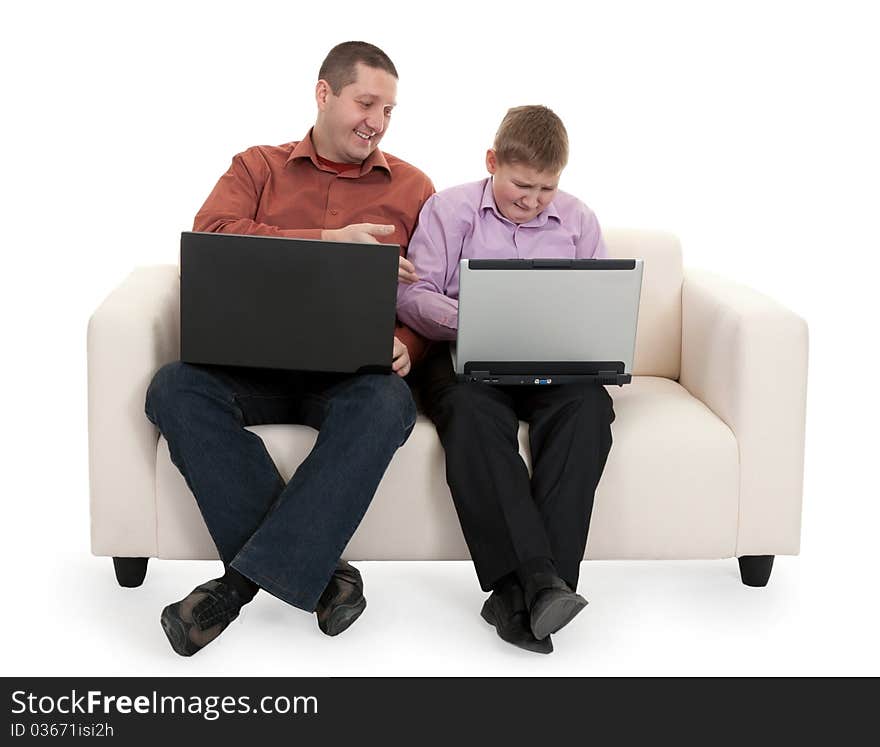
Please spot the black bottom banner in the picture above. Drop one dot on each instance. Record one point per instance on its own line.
(412, 711)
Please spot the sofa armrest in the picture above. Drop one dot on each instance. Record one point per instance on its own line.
(745, 357)
(133, 333)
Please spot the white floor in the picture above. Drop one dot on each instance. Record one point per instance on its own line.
(645, 618)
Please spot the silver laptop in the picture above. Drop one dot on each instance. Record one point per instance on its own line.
(547, 321)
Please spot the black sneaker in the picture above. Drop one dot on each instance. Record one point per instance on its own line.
(195, 621)
(342, 601)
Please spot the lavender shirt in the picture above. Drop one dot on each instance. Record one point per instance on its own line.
(464, 223)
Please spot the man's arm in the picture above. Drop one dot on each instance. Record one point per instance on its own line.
(232, 205)
(424, 305)
(417, 345)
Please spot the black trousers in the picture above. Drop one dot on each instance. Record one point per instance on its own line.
(509, 521)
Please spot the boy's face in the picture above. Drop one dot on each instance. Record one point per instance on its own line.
(351, 124)
(521, 192)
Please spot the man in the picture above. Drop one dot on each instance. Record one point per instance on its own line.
(334, 184)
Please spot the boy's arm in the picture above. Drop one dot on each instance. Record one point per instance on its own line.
(590, 244)
(424, 305)
(232, 205)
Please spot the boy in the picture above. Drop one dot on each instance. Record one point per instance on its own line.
(526, 536)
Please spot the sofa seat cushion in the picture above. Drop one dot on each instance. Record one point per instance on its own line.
(670, 488)
(671, 484)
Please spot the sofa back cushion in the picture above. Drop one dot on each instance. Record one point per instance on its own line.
(658, 341)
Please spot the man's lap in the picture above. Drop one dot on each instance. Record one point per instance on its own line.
(269, 396)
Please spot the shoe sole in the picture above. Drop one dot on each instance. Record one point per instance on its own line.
(177, 633)
(343, 616)
(556, 616)
(487, 614)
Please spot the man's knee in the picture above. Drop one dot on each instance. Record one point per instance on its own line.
(390, 400)
(170, 387)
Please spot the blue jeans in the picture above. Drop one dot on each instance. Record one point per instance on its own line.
(286, 538)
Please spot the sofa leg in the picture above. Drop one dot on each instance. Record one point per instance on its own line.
(755, 569)
(130, 572)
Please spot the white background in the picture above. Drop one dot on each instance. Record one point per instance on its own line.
(749, 129)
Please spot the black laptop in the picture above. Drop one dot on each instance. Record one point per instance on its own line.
(282, 303)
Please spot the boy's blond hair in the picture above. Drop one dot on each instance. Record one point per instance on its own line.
(532, 135)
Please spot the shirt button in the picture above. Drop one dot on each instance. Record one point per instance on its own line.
(334, 212)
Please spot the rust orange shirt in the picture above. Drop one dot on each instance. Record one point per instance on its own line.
(284, 190)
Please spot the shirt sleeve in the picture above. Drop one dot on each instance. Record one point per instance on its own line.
(424, 305)
(590, 244)
(416, 345)
(232, 205)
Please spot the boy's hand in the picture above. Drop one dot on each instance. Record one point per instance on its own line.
(406, 272)
(400, 358)
(357, 233)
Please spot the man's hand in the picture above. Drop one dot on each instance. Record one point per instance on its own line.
(400, 358)
(366, 233)
(357, 233)
(406, 272)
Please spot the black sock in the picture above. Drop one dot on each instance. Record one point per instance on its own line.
(246, 588)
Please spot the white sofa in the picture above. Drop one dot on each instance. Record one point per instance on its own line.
(707, 460)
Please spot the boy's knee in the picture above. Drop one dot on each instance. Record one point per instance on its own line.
(465, 407)
(595, 400)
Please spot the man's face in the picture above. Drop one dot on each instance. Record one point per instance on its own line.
(350, 125)
(521, 192)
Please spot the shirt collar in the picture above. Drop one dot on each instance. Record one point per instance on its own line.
(488, 203)
(305, 148)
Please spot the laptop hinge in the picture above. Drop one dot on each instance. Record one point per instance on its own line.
(613, 378)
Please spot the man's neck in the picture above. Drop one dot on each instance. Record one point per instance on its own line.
(319, 143)
(338, 166)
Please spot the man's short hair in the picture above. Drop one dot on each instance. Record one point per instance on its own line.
(339, 67)
(532, 135)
